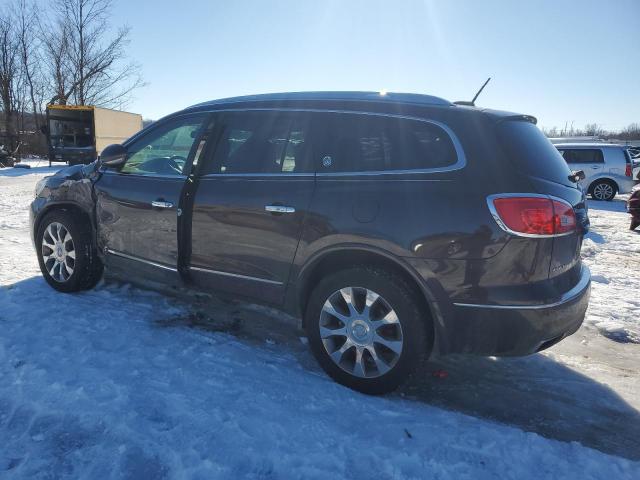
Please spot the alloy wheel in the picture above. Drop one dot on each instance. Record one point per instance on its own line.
(361, 332)
(603, 191)
(58, 252)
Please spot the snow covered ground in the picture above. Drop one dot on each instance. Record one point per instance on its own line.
(123, 383)
(613, 254)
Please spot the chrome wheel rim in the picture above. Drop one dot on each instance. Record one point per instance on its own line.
(361, 332)
(602, 191)
(58, 252)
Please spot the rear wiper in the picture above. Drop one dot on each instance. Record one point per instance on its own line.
(576, 176)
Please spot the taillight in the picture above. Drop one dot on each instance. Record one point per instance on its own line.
(538, 216)
(628, 172)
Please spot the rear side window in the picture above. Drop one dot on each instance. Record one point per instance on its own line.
(366, 143)
(531, 152)
(582, 155)
(262, 142)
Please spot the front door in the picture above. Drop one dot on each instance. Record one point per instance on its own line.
(250, 204)
(138, 206)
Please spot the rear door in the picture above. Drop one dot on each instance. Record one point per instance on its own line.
(250, 204)
(138, 206)
(589, 160)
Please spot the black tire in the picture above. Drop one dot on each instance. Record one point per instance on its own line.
(87, 267)
(607, 185)
(402, 298)
(634, 224)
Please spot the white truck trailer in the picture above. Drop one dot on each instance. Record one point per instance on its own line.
(78, 133)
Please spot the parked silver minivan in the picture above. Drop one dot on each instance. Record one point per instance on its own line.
(607, 168)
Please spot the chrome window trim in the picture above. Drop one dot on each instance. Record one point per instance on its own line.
(498, 220)
(581, 286)
(240, 175)
(233, 275)
(388, 172)
(460, 163)
(142, 175)
(142, 260)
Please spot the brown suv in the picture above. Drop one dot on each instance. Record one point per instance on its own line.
(393, 225)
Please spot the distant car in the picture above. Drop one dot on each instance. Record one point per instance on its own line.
(608, 168)
(634, 152)
(633, 207)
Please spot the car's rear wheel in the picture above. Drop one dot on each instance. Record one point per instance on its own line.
(367, 329)
(603, 190)
(66, 253)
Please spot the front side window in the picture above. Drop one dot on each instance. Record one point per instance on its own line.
(262, 142)
(582, 155)
(360, 143)
(164, 150)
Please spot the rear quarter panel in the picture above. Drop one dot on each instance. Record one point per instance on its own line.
(438, 222)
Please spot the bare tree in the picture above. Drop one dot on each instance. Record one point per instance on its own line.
(26, 24)
(55, 53)
(631, 132)
(9, 74)
(593, 130)
(95, 68)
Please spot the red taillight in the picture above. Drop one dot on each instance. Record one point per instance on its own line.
(564, 217)
(537, 216)
(628, 171)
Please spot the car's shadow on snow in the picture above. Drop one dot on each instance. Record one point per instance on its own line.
(534, 393)
(618, 204)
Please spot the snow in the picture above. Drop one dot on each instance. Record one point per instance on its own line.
(119, 382)
(612, 252)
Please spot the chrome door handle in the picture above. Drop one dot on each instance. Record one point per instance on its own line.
(279, 209)
(161, 204)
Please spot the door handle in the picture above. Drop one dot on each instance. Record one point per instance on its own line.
(279, 209)
(161, 204)
(595, 168)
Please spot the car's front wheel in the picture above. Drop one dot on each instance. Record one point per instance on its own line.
(367, 329)
(66, 253)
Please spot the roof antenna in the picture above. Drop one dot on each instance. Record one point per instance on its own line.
(472, 102)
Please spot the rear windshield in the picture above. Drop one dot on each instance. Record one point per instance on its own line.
(532, 153)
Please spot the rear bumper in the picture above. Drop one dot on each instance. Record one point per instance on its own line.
(625, 184)
(512, 330)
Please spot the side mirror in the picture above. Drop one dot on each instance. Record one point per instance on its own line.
(577, 176)
(44, 129)
(113, 156)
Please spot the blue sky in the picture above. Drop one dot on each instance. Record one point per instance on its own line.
(562, 61)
